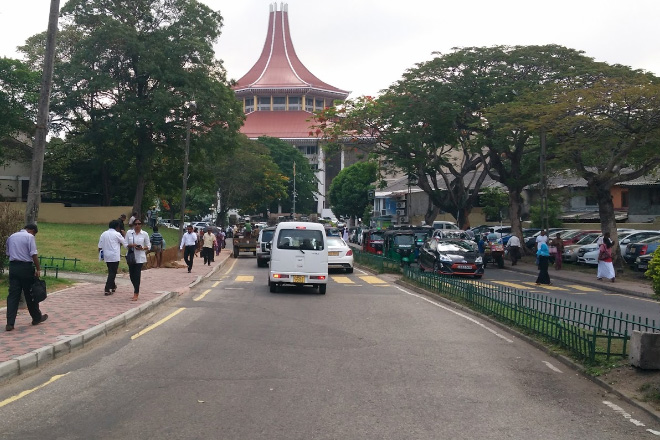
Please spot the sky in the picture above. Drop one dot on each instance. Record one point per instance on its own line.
(364, 46)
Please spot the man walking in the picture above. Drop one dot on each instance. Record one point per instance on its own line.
(122, 228)
(207, 246)
(514, 249)
(189, 242)
(110, 244)
(23, 269)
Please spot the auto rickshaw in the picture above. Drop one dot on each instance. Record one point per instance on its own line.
(422, 233)
(399, 245)
(494, 252)
(372, 241)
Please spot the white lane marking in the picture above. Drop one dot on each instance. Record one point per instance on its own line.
(621, 411)
(360, 270)
(499, 335)
(552, 367)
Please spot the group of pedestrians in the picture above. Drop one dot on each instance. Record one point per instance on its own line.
(209, 244)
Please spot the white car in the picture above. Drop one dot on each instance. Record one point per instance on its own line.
(340, 256)
(589, 254)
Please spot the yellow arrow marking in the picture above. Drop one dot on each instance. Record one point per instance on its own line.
(153, 326)
(26, 392)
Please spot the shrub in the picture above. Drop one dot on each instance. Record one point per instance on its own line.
(653, 272)
(11, 221)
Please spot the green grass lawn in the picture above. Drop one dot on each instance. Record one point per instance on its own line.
(75, 241)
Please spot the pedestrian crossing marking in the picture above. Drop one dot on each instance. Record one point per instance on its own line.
(508, 284)
(582, 288)
(245, 278)
(342, 280)
(546, 286)
(372, 280)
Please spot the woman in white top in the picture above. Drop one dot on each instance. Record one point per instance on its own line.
(137, 240)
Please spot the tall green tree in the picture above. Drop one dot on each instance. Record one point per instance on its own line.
(124, 74)
(349, 191)
(284, 155)
(19, 94)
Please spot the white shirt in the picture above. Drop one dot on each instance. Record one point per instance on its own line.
(110, 242)
(140, 239)
(21, 246)
(188, 239)
(541, 239)
(514, 241)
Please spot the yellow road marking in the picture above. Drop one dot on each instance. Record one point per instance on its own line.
(245, 278)
(582, 288)
(632, 297)
(215, 284)
(342, 280)
(153, 326)
(372, 280)
(514, 285)
(202, 295)
(26, 392)
(547, 287)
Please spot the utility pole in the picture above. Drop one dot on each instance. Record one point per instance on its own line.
(293, 214)
(192, 106)
(39, 143)
(544, 184)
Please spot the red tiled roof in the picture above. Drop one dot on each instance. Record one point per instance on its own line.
(291, 124)
(279, 66)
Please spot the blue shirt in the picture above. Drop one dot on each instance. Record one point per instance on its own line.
(21, 246)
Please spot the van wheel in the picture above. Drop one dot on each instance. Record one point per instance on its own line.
(322, 288)
(272, 287)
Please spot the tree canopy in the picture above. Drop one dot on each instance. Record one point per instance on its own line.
(348, 193)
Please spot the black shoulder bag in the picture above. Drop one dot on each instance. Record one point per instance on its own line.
(130, 255)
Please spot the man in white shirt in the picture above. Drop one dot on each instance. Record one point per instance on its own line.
(110, 244)
(189, 242)
(541, 238)
(514, 249)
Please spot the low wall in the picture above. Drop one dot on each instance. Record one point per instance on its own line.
(89, 215)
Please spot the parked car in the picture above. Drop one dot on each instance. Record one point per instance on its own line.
(200, 225)
(331, 231)
(642, 262)
(640, 248)
(263, 250)
(590, 255)
(571, 252)
(445, 225)
(340, 255)
(451, 256)
(636, 237)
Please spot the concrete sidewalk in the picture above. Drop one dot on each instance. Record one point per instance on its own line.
(81, 313)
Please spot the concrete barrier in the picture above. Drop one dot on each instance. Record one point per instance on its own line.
(645, 350)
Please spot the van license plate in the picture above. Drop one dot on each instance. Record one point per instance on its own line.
(299, 278)
(463, 266)
(333, 253)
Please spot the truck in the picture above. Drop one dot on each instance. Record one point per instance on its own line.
(244, 242)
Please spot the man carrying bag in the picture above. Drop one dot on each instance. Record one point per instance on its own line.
(24, 269)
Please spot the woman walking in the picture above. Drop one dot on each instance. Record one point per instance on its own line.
(543, 255)
(605, 266)
(558, 253)
(137, 242)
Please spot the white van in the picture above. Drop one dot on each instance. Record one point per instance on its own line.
(299, 256)
(445, 225)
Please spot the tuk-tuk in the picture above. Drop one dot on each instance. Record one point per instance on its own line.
(422, 233)
(399, 245)
(372, 241)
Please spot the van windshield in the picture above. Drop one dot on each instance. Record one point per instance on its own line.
(305, 239)
(267, 236)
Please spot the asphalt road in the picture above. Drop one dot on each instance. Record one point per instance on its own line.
(368, 360)
(597, 297)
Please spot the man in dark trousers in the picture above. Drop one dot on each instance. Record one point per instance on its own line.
(122, 228)
(110, 243)
(189, 245)
(23, 269)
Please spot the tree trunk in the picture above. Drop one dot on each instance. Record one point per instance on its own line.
(515, 213)
(464, 219)
(607, 219)
(139, 194)
(431, 213)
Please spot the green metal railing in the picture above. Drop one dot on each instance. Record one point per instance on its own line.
(51, 261)
(377, 262)
(584, 330)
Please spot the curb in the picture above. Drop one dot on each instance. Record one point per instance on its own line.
(563, 359)
(38, 358)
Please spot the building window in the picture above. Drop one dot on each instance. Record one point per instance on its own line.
(264, 104)
(309, 105)
(591, 200)
(624, 199)
(249, 105)
(319, 104)
(279, 103)
(295, 103)
(311, 149)
(314, 166)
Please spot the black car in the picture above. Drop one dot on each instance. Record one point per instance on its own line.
(451, 256)
(642, 262)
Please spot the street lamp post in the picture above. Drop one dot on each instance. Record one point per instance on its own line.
(192, 106)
